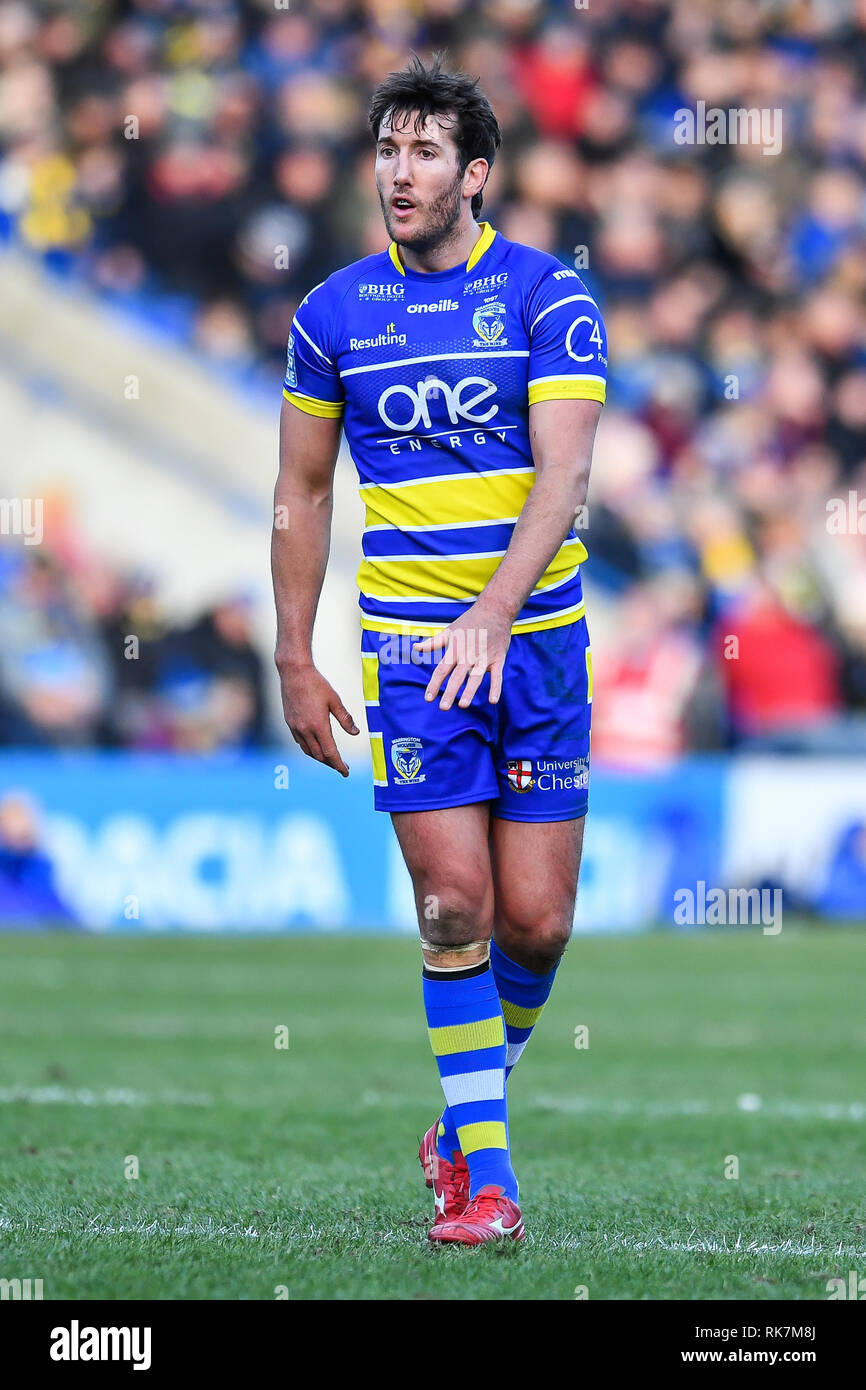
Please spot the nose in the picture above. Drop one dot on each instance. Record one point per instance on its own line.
(402, 173)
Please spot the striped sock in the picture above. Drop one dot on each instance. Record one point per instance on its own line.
(467, 1034)
(523, 995)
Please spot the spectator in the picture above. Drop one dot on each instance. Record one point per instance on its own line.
(28, 897)
(781, 674)
(844, 891)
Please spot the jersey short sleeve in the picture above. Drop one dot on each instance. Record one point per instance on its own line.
(567, 340)
(312, 381)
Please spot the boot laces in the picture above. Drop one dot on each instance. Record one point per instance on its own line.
(485, 1207)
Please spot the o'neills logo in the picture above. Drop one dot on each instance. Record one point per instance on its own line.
(77, 1343)
(438, 308)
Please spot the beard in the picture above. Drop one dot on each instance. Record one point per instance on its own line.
(436, 222)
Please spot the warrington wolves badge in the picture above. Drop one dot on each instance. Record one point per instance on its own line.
(489, 324)
(406, 756)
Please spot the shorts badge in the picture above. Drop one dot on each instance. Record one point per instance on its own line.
(406, 754)
(520, 774)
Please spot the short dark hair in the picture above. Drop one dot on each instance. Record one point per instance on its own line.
(430, 91)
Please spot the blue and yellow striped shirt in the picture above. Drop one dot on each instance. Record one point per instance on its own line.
(433, 376)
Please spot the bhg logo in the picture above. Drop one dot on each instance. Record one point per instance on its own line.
(460, 401)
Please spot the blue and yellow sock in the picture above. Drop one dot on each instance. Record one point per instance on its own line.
(523, 995)
(467, 1034)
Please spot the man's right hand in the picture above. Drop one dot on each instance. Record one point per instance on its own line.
(308, 703)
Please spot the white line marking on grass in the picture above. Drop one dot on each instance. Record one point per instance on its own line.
(210, 1230)
(114, 1095)
(215, 1230)
(781, 1109)
(713, 1245)
(150, 1228)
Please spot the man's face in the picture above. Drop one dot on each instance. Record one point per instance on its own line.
(419, 169)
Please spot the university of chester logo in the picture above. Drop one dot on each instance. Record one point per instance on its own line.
(520, 774)
(489, 323)
(406, 756)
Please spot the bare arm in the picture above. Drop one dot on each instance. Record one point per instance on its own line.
(561, 435)
(300, 542)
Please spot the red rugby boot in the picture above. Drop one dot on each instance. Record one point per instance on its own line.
(489, 1216)
(450, 1181)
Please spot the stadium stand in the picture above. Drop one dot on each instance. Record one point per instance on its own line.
(181, 172)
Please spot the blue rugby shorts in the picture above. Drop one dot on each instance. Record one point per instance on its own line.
(528, 754)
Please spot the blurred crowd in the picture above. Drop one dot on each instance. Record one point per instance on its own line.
(207, 161)
(88, 657)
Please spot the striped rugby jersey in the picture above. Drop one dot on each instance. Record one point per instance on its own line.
(433, 375)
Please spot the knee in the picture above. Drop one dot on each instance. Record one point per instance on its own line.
(455, 913)
(537, 942)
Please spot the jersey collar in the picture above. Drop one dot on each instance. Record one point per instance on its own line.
(483, 244)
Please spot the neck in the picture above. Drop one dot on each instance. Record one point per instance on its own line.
(454, 250)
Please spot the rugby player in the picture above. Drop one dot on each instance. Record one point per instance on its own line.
(468, 372)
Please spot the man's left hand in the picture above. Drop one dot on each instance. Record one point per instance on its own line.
(474, 644)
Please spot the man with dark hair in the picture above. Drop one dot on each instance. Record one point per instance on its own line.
(466, 111)
(468, 372)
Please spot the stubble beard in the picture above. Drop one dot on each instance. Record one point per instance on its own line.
(439, 225)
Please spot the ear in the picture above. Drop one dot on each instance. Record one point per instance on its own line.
(475, 177)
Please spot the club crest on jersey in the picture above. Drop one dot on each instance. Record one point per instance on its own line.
(520, 774)
(406, 754)
(367, 290)
(489, 323)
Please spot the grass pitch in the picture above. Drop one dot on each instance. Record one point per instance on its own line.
(263, 1170)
